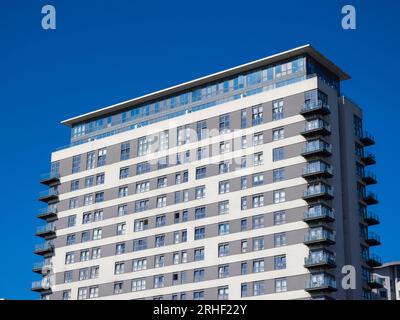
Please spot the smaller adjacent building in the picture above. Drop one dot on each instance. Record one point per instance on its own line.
(386, 279)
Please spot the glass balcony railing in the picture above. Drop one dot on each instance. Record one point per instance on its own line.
(371, 218)
(311, 106)
(373, 259)
(317, 146)
(48, 193)
(316, 167)
(50, 227)
(319, 211)
(321, 282)
(47, 246)
(372, 237)
(320, 234)
(367, 138)
(368, 158)
(49, 176)
(316, 125)
(317, 189)
(318, 258)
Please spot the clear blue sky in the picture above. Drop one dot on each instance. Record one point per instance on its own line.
(103, 52)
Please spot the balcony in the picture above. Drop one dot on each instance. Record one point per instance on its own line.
(46, 231)
(315, 127)
(317, 169)
(50, 178)
(372, 239)
(369, 178)
(41, 267)
(44, 249)
(324, 282)
(48, 213)
(367, 139)
(319, 235)
(48, 196)
(371, 218)
(41, 286)
(317, 148)
(319, 212)
(317, 192)
(368, 158)
(373, 260)
(376, 282)
(370, 198)
(320, 259)
(314, 108)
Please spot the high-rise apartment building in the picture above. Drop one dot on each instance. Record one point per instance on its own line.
(249, 183)
(385, 281)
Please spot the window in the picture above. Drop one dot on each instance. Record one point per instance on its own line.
(123, 192)
(122, 210)
(76, 164)
(258, 139)
(223, 271)
(201, 153)
(223, 229)
(161, 182)
(200, 213)
(279, 217)
(140, 244)
(243, 225)
(141, 205)
(99, 197)
(158, 281)
(258, 159)
(258, 288)
(100, 178)
(85, 255)
(224, 167)
(74, 185)
(279, 239)
(102, 157)
(278, 174)
(82, 293)
(200, 192)
(200, 173)
(243, 203)
(198, 275)
(71, 220)
(125, 151)
(277, 110)
(223, 207)
(143, 146)
(243, 142)
(121, 229)
(199, 233)
(85, 236)
(138, 284)
(224, 123)
(93, 292)
(258, 266)
(94, 272)
(258, 201)
(164, 140)
(280, 285)
(257, 115)
(139, 264)
(201, 130)
(90, 160)
(142, 167)
(243, 183)
(183, 135)
(243, 290)
(277, 154)
(198, 295)
(97, 234)
(83, 274)
(161, 201)
(243, 246)
(67, 276)
(124, 173)
(159, 261)
(358, 129)
(160, 221)
(224, 147)
(159, 241)
(120, 248)
(280, 262)
(243, 119)
(243, 162)
(279, 196)
(223, 250)
(118, 287)
(258, 179)
(224, 187)
(258, 244)
(199, 254)
(96, 253)
(66, 295)
(88, 199)
(89, 182)
(69, 258)
(258, 222)
(98, 215)
(243, 268)
(278, 134)
(142, 186)
(162, 163)
(141, 225)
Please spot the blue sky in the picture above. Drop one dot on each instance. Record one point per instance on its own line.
(103, 52)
